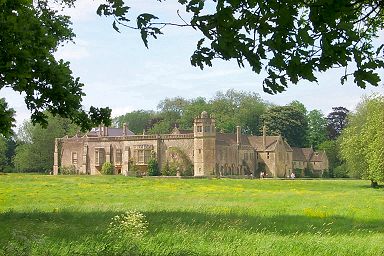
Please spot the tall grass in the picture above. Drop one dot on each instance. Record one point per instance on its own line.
(67, 215)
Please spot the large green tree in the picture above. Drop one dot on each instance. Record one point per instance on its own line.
(137, 120)
(362, 141)
(36, 144)
(287, 121)
(317, 128)
(30, 33)
(336, 121)
(3, 151)
(291, 40)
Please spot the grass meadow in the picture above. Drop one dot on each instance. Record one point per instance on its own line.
(70, 215)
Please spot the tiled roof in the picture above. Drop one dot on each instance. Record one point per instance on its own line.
(181, 131)
(318, 157)
(112, 132)
(298, 155)
(257, 142)
(231, 139)
(307, 152)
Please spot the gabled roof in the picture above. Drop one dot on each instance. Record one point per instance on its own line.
(231, 139)
(180, 131)
(307, 152)
(257, 142)
(298, 155)
(318, 156)
(308, 155)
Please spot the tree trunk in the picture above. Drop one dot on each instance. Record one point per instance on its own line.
(374, 184)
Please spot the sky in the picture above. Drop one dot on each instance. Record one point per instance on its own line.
(120, 72)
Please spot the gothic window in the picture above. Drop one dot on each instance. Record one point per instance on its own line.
(207, 129)
(74, 158)
(199, 128)
(99, 156)
(119, 156)
(199, 151)
(268, 155)
(143, 156)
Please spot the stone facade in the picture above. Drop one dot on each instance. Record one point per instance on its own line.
(307, 158)
(210, 152)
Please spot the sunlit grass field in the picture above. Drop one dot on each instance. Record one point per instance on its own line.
(69, 215)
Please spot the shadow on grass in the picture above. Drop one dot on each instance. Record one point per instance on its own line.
(70, 225)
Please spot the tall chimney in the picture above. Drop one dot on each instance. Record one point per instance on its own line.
(238, 135)
(100, 130)
(125, 129)
(264, 137)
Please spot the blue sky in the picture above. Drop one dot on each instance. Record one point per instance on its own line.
(119, 72)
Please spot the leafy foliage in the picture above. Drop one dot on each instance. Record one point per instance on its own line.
(290, 40)
(107, 168)
(137, 120)
(317, 128)
(153, 167)
(30, 33)
(6, 117)
(336, 121)
(362, 144)
(332, 149)
(287, 121)
(35, 147)
(68, 170)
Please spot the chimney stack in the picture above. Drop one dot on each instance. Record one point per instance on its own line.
(125, 129)
(264, 137)
(238, 135)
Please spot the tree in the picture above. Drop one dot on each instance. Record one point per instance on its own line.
(234, 108)
(30, 33)
(332, 149)
(137, 120)
(362, 143)
(317, 128)
(291, 40)
(36, 144)
(288, 122)
(299, 106)
(336, 121)
(192, 110)
(7, 118)
(3, 150)
(153, 167)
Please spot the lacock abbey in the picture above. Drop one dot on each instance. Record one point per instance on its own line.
(204, 151)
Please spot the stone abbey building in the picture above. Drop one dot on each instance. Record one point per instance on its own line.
(211, 153)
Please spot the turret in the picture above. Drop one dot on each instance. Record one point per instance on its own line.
(204, 145)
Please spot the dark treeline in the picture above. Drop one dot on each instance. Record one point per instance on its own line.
(31, 149)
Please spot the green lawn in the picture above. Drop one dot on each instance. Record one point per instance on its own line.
(69, 215)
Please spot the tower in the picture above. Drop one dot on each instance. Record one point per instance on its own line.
(204, 156)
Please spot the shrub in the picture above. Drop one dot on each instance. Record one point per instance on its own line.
(68, 170)
(340, 171)
(107, 169)
(308, 172)
(153, 167)
(298, 172)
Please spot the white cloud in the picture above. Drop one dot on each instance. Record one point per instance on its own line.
(74, 51)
